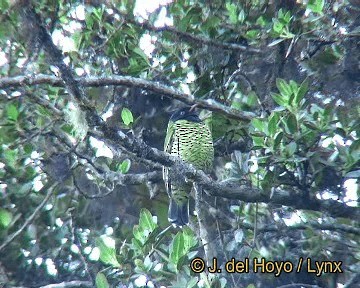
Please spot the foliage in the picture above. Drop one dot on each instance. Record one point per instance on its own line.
(280, 82)
(136, 255)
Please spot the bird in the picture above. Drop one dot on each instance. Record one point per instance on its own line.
(188, 138)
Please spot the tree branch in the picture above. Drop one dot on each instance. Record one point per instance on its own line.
(69, 284)
(188, 37)
(75, 283)
(116, 80)
(226, 190)
(30, 219)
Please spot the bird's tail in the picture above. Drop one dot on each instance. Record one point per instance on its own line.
(178, 213)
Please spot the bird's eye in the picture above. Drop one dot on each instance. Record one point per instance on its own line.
(182, 113)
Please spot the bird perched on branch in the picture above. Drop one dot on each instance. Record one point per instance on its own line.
(190, 139)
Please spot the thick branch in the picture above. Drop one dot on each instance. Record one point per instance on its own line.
(117, 80)
(230, 190)
(32, 20)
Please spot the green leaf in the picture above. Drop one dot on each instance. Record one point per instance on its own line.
(241, 16)
(28, 148)
(287, 17)
(355, 146)
(279, 99)
(304, 87)
(259, 124)
(294, 86)
(252, 34)
(107, 251)
(101, 281)
(89, 21)
(190, 239)
(284, 88)
(310, 125)
(291, 148)
(316, 6)
(177, 248)
(137, 244)
(277, 139)
(273, 123)
(261, 21)
(11, 157)
(146, 226)
(148, 264)
(210, 25)
(184, 23)
(125, 166)
(98, 13)
(25, 188)
(146, 220)
(291, 124)
(268, 180)
(127, 116)
(277, 26)
(138, 233)
(258, 141)
(141, 53)
(281, 13)
(5, 218)
(192, 16)
(4, 4)
(12, 112)
(231, 8)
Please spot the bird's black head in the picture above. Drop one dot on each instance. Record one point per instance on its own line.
(185, 114)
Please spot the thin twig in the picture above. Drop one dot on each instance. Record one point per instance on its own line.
(223, 248)
(50, 190)
(190, 38)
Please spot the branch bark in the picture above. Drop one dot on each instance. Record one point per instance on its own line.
(226, 190)
(116, 80)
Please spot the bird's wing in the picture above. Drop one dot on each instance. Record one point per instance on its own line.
(169, 139)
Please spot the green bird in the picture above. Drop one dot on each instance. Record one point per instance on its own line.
(190, 139)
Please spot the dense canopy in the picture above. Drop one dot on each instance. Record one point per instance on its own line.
(86, 92)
